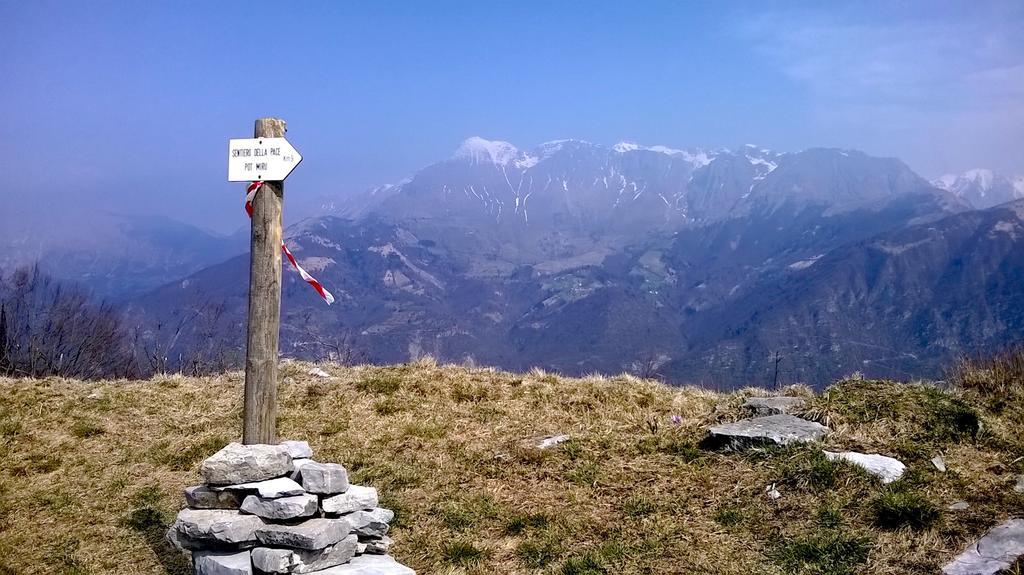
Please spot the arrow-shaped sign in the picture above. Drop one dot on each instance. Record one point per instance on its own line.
(261, 159)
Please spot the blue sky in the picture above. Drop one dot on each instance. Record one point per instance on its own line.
(127, 106)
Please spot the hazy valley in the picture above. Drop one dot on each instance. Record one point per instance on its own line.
(698, 266)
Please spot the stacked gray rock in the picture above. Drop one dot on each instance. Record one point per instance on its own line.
(273, 509)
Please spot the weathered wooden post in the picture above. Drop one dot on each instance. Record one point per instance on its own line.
(264, 326)
(265, 160)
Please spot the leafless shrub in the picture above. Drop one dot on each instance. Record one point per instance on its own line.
(999, 375)
(312, 342)
(53, 328)
(647, 366)
(195, 339)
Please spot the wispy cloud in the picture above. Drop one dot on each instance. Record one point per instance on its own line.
(947, 82)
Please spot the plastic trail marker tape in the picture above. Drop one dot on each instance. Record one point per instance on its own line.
(320, 289)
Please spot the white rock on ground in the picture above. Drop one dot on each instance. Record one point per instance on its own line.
(317, 372)
(995, 551)
(958, 506)
(1019, 488)
(298, 449)
(217, 526)
(281, 508)
(885, 468)
(370, 565)
(778, 429)
(238, 463)
(939, 463)
(220, 563)
(202, 497)
(369, 524)
(274, 560)
(552, 441)
(311, 534)
(356, 498)
(324, 478)
(773, 405)
(270, 488)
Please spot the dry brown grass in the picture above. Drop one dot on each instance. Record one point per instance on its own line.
(92, 472)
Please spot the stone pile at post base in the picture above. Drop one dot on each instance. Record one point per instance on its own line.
(272, 509)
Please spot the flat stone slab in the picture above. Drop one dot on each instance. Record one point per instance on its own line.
(779, 429)
(324, 478)
(271, 488)
(238, 463)
(217, 526)
(202, 497)
(885, 468)
(994, 552)
(179, 542)
(369, 565)
(297, 465)
(356, 498)
(275, 560)
(282, 508)
(370, 524)
(375, 545)
(774, 405)
(312, 534)
(218, 563)
(298, 449)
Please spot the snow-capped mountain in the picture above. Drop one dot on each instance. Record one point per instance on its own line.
(628, 185)
(983, 188)
(576, 256)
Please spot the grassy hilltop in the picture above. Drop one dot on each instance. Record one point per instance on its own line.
(92, 472)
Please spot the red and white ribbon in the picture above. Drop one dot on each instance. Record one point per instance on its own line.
(320, 289)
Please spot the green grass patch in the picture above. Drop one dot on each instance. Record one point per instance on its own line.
(538, 553)
(928, 414)
(460, 515)
(828, 553)
(383, 382)
(829, 518)
(900, 507)
(462, 553)
(519, 523)
(586, 564)
(638, 506)
(387, 406)
(728, 516)
(84, 429)
(585, 474)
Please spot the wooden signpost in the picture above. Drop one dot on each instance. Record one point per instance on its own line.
(267, 158)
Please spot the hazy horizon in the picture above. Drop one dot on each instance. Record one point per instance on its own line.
(127, 108)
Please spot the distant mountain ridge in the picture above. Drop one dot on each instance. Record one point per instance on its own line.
(701, 265)
(893, 303)
(576, 183)
(123, 255)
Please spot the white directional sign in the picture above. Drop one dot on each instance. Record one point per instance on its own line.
(261, 159)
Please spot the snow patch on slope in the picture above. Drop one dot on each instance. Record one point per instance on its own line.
(958, 183)
(697, 158)
(479, 150)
